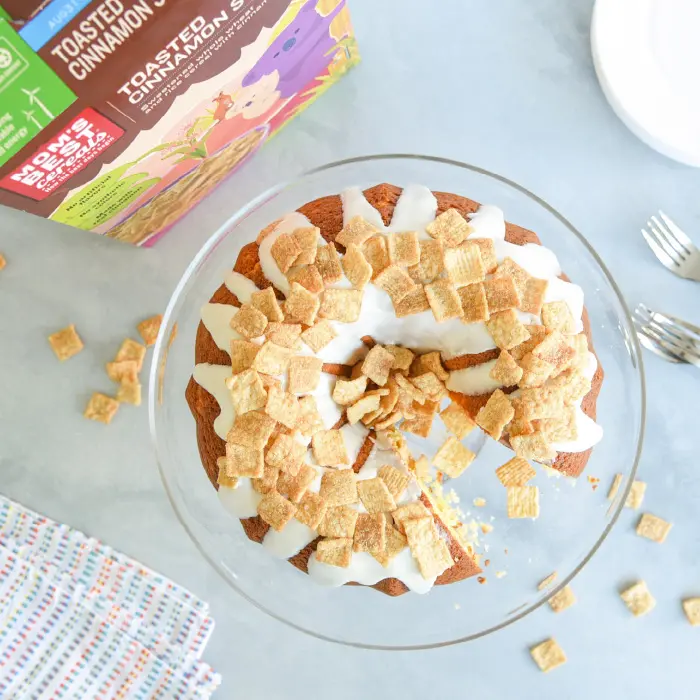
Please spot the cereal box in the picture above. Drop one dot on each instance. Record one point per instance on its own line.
(118, 116)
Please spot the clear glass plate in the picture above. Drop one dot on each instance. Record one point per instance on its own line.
(575, 518)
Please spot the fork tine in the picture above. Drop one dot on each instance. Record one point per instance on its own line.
(659, 345)
(663, 242)
(675, 335)
(650, 344)
(687, 353)
(674, 320)
(660, 253)
(667, 235)
(677, 232)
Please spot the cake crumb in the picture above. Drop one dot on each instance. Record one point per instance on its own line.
(479, 502)
(501, 573)
(3, 262)
(545, 581)
(486, 528)
(481, 579)
(66, 343)
(593, 481)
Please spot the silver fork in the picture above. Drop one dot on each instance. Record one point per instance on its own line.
(669, 337)
(672, 247)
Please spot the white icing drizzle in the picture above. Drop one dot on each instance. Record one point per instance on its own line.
(212, 378)
(355, 204)
(241, 286)
(488, 222)
(242, 500)
(475, 380)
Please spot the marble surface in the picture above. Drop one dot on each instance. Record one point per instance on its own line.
(509, 86)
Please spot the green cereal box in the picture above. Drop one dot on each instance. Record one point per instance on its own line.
(118, 116)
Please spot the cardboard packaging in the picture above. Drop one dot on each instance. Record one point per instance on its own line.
(118, 116)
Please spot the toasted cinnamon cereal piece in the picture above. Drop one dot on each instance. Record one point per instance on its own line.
(431, 263)
(392, 419)
(509, 268)
(360, 409)
(556, 316)
(431, 553)
(691, 607)
(149, 328)
(506, 329)
(301, 305)
(403, 357)
(430, 385)
(244, 461)
(341, 305)
(474, 305)
(243, 354)
(286, 454)
(487, 249)
(537, 335)
(450, 228)
(375, 495)
(356, 267)
(307, 240)
(266, 483)
(409, 512)
(515, 472)
(267, 231)
(523, 501)
(356, 231)
(66, 343)
(536, 371)
(638, 599)
(338, 521)
(464, 264)
(282, 406)
(532, 298)
(124, 371)
(635, 497)
(311, 510)
(319, 335)
(101, 408)
(335, 552)
(395, 480)
(653, 528)
(129, 392)
(294, 486)
(308, 277)
(285, 250)
(457, 421)
(404, 249)
(285, 335)
(548, 655)
(229, 482)
(3, 262)
(443, 299)
(395, 543)
(370, 533)
(562, 600)
(495, 415)
(394, 280)
(251, 429)
(420, 532)
(555, 350)
(544, 583)
(420, 425)
(412, 392)
(304, 374)
(506, 370)
(309, 420)
(501, 294)
(614, 487)
(377, 365)
(376, 252)
(415, 302)
(563, 427)
(430, 362)
(328, 264)
(329, 448)
(276, 510)
(249, 322)
(533, 446)
(272, 359)
(453, 457)
(339, 488)
(347, 391)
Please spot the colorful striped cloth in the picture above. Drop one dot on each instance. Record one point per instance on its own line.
(80, 620)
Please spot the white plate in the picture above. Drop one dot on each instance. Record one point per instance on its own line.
(647, 57)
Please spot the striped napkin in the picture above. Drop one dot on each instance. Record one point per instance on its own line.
(80, 620)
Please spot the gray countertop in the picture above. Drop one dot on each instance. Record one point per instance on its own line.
(506, 85)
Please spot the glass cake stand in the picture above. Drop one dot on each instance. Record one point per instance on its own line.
(575, 517)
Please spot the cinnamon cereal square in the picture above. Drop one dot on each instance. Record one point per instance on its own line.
(356, 267)
(536, 371)
(282, 406)
(338, 521)
(149, 328)
(308, 277)
(548, 655)
(271, 359)
(369, 533)
(375, 495)
(395, 543)
(523, 501)
(635, 497)
(266, 302)
(409, 511)
(450, 228)
(347, 391)
(329, 448)
(457, 421)
(376, 252)
(421, 425)
(342, 305)
(537, 335)
(453, 457)
(638, 599)
(311, 510)
(563, 427)
(66, 343)
(501, 294)
(464, 264)
(509, 268)
(309, 420)
(3, 262)
(293, 460)
(356, 231)
(506, 329)
(534, 446)
(124, 371)
(304, 374)
(335, 552)
(515, 472)
(328, 264)
(244, 461)
(378, 364)
(403, 357)
(430, 362)
(129, 392)
(555, 350)
(415, 302)
(276, 510)
(395, 480)
(691, 607)
(307, 240)
(365, 405)
(404, 249)
(223, 479)
(430, 385)
(285, 335)
(495, 415)
(532, 299)
(131, 350)
(562, 600)
(285, 250)
(474, 305)
(556, 316)
(243, 354)
(487, 249)
(249, 322)
(294, 486)
(431, 263)
(394, 280)
(301, 305)
(266, 483)
(653, 528)
(506, 370)
(319, 335)
(101, 408)
(443, 299)
(279, 449)
(433, 559)
(420, 532)
(251, 429)
(338, 487)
